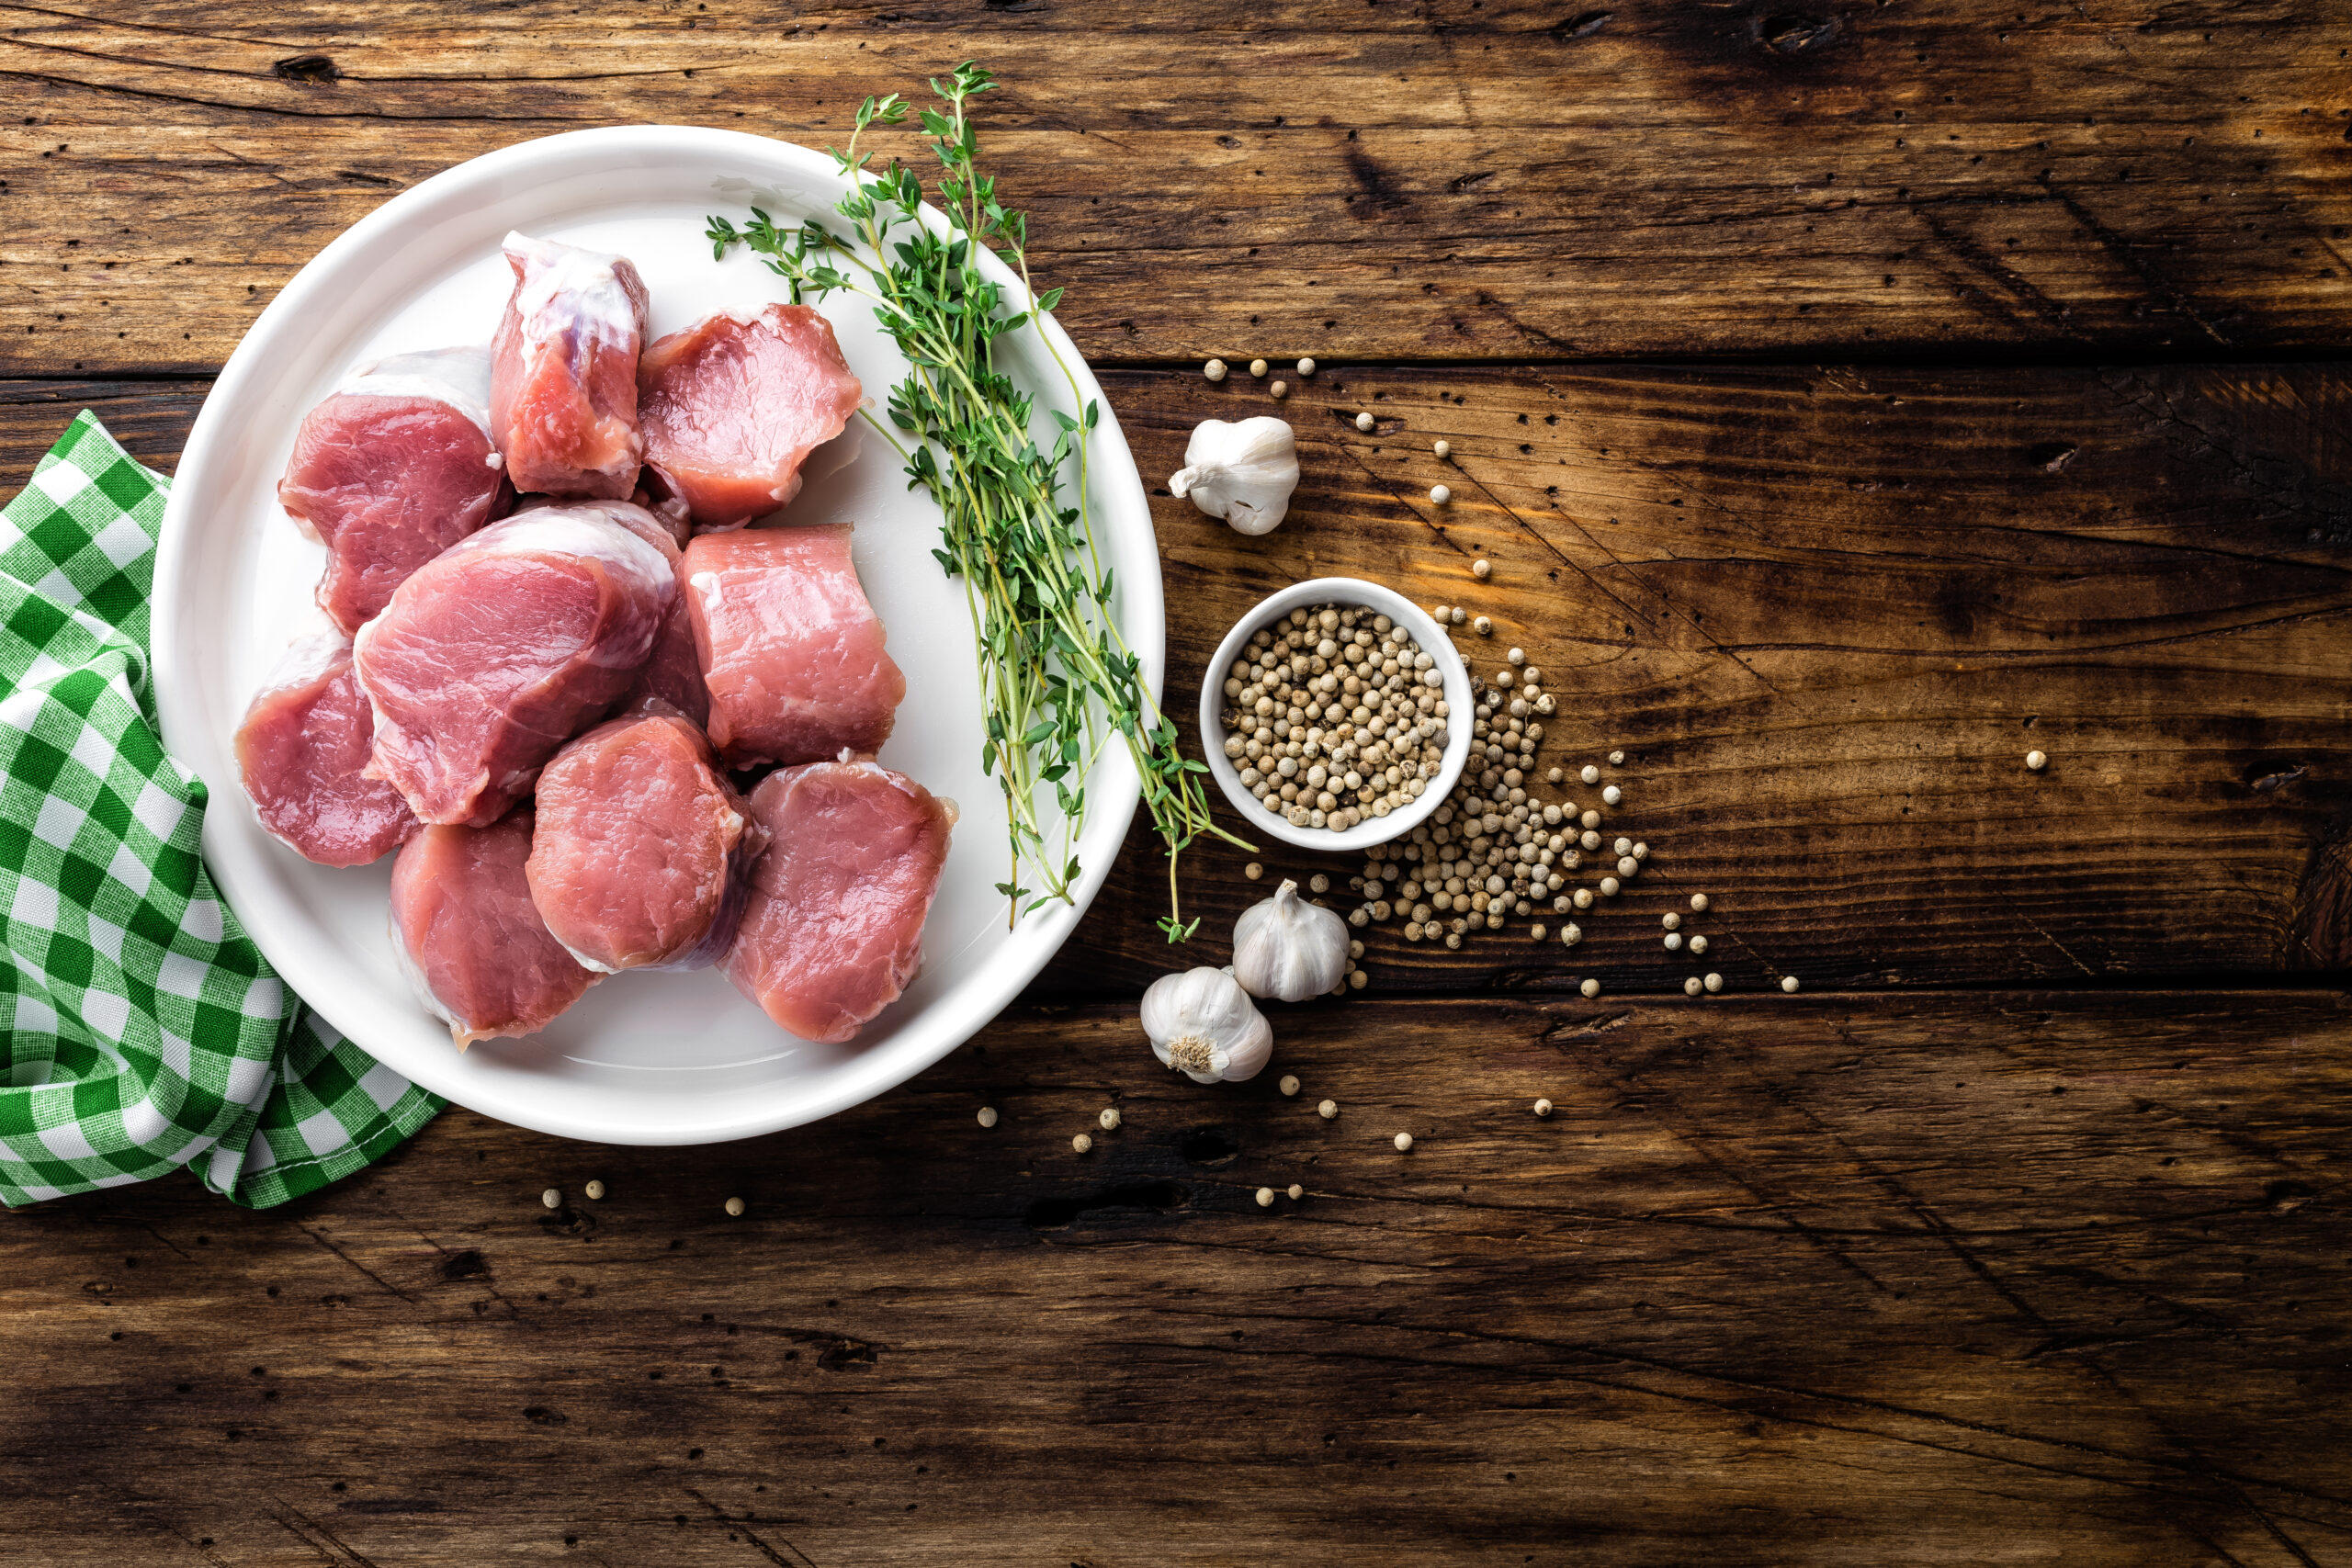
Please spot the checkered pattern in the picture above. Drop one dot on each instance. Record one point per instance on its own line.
(144, 1029)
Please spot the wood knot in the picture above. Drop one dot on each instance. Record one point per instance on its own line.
(1796, 34)
(315, 70)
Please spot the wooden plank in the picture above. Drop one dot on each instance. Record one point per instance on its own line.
(1464, 179)
(1925, 1278)
(1825, 612)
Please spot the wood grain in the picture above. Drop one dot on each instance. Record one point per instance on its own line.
(1921, 1279)
(1825, 612)
(1480, 179)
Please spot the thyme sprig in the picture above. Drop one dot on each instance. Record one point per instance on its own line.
(1056, 680)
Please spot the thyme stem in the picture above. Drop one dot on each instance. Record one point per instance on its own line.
(1057, 678)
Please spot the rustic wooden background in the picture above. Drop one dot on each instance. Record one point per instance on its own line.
(1851, 394)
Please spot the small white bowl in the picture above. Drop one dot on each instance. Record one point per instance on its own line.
(1345, 592)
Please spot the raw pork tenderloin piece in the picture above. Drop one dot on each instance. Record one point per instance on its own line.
(791, 654)
(733, 405)
(502, 648)
(834, 926)
(563, 370)
(391, 470)
(643, 851)
(469, 938)
(303, 749)
(673, 673)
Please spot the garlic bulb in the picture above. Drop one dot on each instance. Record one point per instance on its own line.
(1242, 473)
(1203, 1024)
(1288, 948)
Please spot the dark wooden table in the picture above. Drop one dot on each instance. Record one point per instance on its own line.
(1851, 397)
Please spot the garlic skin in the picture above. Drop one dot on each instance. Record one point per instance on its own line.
(1203, 1024)
(1289, 949)
(1240, 473)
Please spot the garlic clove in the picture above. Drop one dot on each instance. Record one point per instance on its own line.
(1203, 1024)
(1289, 949)
(1240, 473)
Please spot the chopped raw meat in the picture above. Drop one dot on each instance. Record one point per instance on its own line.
(301, 748)
(391, 470)
(791, 654)
(654, 528)
(563, 378)
(643, 850)
(834, 926)
(670, 511)
(733, 405)
(498, 651)
(471, 942)
(673, 673)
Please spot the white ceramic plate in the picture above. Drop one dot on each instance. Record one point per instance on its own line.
(643, 1058)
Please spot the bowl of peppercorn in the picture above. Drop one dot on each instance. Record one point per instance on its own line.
(1334, 716)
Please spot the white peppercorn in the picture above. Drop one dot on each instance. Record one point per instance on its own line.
(1789, 984)
(1591, 988)
(1715, 982)
(1699, 902)
(1364, 420)
(1542, 1108)
(1109, 1118)
(1082, 1143)
(988, 1115)
(1327, 1110)
(594, 1189)
(551, 1198)
(1404, 1141)
(1265, 1197)
(735, 1208)
(1692, 986)
(1257, 367)
(1214, 371)
(1698, 944)
(1289, 1086)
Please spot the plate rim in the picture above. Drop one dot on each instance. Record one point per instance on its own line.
(1114, 793)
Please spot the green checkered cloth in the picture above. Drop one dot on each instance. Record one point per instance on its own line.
(144, 1029)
